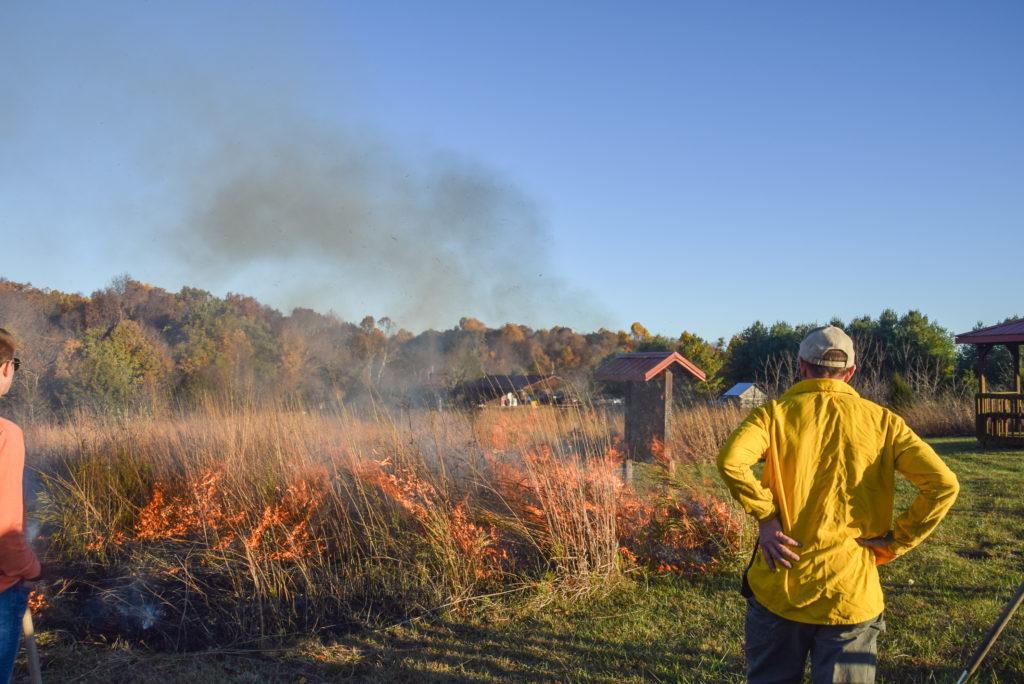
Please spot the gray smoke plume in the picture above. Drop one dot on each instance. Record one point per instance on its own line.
(335, 219)
(277, 203)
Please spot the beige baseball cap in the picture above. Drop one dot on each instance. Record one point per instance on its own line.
(821, 347)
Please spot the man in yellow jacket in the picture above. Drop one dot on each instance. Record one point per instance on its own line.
(824, 507)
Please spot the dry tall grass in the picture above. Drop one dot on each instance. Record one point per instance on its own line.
(699, 431)
(219, 526)
(941, 416)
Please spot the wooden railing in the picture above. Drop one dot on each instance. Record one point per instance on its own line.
(1000, 418)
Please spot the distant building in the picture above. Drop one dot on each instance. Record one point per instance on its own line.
(509, 391)
(745, 395)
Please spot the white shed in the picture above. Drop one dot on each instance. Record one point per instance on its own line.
(745, 395)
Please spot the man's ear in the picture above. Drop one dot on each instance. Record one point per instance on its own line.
(849, 373)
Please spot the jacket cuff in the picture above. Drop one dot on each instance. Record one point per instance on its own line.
(896, 546)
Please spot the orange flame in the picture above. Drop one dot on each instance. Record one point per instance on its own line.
(282, 531)
(37, 603)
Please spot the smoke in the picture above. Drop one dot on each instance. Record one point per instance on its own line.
(32, 528)
(338, 219)
(222, 147)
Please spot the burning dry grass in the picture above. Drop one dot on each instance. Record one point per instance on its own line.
(224, 526)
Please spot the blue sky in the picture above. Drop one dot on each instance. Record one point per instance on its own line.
(693, 166)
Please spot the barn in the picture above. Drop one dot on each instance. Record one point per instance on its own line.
(510, 390)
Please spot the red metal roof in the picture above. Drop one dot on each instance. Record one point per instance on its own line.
(644, 366)
(995, 334)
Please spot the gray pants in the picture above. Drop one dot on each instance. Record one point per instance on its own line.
(777, 649)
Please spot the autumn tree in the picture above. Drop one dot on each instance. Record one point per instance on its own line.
(317, 359)
(466, 352)
(115, 368)
(638, 334)
(26, 313)
(710, 358)
(223, 347)
(511, 352)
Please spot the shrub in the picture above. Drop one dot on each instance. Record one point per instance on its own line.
(901, 397)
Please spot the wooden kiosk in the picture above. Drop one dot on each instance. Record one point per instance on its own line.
(999, 416)
(648, 378)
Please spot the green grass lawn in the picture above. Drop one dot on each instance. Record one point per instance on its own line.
(942, 598)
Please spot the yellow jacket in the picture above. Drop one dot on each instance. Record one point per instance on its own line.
(830, 464)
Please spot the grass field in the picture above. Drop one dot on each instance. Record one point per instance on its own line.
(942, 598)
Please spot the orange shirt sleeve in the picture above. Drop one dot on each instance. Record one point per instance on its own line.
(16, 558)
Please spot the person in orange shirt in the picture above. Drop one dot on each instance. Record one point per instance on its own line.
(824, 506)
(19, 567)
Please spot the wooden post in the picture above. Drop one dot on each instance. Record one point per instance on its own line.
(1015, 353)
(1016, 403)
(643, 413)
(648, 418)
(666, 426)
(980, 418)
(981, 367)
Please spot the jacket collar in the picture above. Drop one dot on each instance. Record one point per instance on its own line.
(821, 385)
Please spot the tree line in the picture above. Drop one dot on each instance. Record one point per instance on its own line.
(133, 345)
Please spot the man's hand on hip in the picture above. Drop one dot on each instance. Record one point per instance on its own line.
(880, 547)
(774, 544)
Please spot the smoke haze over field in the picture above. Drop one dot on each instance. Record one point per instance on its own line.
(429, 161)
(343, 221)
(245, 166)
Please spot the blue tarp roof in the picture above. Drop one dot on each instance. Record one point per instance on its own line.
(738, 389)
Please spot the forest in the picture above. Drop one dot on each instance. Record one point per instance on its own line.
(132, 345)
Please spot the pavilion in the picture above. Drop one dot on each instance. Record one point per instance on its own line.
(999, 416)
(648, 421)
